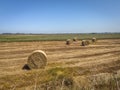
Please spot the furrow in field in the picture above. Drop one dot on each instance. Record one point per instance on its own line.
(90, 55)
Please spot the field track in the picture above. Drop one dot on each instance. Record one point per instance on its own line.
(103, 56)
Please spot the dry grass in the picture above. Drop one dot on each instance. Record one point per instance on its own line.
(73, 66)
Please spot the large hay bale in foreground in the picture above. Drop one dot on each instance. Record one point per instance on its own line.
(38, 59)
(68, 41)
(93, 39)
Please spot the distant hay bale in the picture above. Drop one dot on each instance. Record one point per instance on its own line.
(68, 41)
(83, 43)
(75, 39)
(93, 39)
(87, 42)
(38, 59)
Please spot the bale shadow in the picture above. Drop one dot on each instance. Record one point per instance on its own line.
(26, 67)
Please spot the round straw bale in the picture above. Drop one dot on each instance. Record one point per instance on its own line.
(87, 42)
(93, 39)
(38, 59)
(68, 41)
(83, 42)
(75, 39)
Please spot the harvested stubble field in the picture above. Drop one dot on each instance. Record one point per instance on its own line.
(85, 67)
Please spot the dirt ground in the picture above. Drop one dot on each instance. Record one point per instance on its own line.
(102, 56)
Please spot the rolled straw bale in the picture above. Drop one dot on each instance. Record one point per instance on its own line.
(83, 43)
(38, 59)
(93, 39)
(75, 39)
(68, 41)
(87, 42)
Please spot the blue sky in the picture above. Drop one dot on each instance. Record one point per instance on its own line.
(59, 16)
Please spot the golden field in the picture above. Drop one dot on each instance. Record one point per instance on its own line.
(87, 67)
